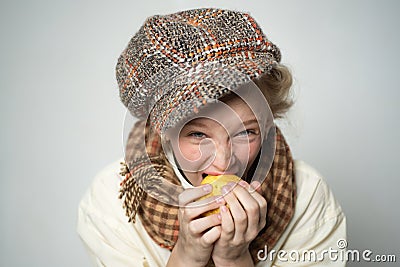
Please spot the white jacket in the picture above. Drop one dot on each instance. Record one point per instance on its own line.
(314, 237)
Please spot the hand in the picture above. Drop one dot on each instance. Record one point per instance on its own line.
(240, 224)
(197, 234)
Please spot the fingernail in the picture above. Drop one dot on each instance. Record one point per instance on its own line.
(220, 199)
(225, 189)
(223, 208)
(243, 183)
(207, 188)
(254, 186)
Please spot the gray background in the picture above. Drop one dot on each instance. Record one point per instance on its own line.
(61, 119)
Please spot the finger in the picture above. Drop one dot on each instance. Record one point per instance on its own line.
(246, 196)
(197, 208)
(238, 214)
(262, 203)
(191, 194)
(212, 235)
(263, 209)
(200, 225)
(255, 185)
(205, 202)
(249, 204)
(227, 224)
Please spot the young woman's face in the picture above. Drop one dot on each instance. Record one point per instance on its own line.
(226, 141)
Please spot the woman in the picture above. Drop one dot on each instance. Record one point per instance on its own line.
(207, 85)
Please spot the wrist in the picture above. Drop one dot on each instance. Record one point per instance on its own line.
(243, 259)
(181, 257)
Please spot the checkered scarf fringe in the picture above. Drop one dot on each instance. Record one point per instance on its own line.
(161, 220)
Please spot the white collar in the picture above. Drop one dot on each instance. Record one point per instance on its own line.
(184, 182)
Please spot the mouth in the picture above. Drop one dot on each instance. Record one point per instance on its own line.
(204, 175)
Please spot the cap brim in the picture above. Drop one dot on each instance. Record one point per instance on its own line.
(179, 93)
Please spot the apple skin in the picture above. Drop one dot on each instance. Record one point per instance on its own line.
(217, 183)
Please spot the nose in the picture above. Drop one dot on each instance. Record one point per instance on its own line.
(223, 157)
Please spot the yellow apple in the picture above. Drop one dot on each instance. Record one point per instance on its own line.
(217, 182)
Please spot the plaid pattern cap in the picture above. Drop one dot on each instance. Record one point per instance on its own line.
(191, 57)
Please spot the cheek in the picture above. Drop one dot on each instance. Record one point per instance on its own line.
(247, 153)
(188, 156)
(253, 151)
(187, 151)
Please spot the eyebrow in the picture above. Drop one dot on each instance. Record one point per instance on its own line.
(204, 125)
(196, 123)
(251, 121)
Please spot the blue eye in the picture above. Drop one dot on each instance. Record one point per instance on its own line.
(197, 134)
(245, 133)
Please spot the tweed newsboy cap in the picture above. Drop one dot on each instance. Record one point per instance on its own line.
(179, 62)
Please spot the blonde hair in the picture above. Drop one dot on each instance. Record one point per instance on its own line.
(275, 87)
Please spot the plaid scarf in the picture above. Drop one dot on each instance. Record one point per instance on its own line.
(145, 161)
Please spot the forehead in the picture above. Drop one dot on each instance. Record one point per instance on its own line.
(230, 112)
(227, 107)
(245, 103)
